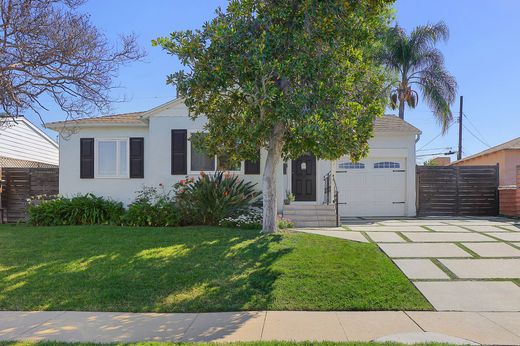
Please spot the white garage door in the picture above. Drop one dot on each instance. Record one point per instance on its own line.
(372, 187)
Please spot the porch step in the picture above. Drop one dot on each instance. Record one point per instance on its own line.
(311, 215)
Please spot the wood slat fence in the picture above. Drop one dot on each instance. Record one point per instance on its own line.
(454, 190)
(23, 183)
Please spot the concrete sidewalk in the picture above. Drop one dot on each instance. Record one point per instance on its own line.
(497, 328)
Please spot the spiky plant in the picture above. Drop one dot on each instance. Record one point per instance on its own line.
(419, 66)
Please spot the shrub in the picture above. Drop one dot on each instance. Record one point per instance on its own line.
(152, 209)
(213, 197)
(79, 210)
(249, 219)
(284, 223)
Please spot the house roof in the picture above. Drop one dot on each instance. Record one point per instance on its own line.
(392, 123)
(510, 145)
(386, 123)
(113, 119)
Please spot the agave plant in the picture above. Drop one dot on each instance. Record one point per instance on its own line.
(419, 66)
(213, 197)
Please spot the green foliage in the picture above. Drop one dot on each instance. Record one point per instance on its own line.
(284, 223)
(416, 62)
(305, 66)
(213, 197)
(85, 209)
(152, 208)
(246, 219)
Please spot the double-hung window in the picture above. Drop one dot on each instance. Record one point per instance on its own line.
(201, 161)
(112, 158)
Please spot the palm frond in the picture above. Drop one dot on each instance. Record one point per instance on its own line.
(439, 90)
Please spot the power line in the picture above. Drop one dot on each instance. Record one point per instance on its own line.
(476, 129)
(434, 138)
(475, 136)
(447, 148)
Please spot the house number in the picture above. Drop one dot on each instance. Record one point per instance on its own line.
(303, 167)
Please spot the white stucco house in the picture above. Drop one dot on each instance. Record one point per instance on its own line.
(114, 156)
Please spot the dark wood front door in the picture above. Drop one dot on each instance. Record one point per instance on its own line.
(304, 178)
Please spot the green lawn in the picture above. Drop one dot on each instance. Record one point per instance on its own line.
(194, 269)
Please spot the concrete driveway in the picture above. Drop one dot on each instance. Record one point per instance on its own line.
(459, 264)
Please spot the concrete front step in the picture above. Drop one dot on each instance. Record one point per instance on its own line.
(303, 224)
(308, 207)
(307, 215)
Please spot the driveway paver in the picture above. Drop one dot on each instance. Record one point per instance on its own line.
(508, 236)
(403, 228)
(423, 250)
(484, 268)
(447, 237)
(448, 228)
(471, 295)
(420, 269)
(385, 237)
(484, 229)
(495, 249)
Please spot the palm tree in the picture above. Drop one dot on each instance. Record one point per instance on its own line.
(420, 67)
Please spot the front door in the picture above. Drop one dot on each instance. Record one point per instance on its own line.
(304, 178)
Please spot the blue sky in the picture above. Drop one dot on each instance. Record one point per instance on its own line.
(482, 53)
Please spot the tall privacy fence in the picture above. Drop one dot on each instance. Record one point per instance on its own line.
(19, 184)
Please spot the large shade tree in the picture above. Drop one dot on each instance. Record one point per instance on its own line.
(51, 53)
(293, 77)
(419, 66)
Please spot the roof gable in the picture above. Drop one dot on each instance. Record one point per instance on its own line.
(509, 145)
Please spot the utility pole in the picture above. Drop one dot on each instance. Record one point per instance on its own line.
(459, 153)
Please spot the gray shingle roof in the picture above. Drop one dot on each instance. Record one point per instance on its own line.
(392, 123)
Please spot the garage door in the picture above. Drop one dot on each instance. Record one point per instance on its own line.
(372, 187)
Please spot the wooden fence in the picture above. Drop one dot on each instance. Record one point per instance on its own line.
(23, 183)
(453, 190)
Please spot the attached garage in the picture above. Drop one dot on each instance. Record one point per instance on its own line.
(372, 187)
(382, 184)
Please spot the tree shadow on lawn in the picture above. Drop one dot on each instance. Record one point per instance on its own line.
(94, 268)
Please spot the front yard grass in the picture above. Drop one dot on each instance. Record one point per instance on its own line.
(194, 269)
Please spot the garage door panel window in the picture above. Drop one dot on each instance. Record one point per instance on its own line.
(351, 165)
(387, 164)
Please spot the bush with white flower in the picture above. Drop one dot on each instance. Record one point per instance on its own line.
(250, 218)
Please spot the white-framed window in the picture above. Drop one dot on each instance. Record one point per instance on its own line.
(351, 165)
(199, 160)
(112, 158)
(387, 164)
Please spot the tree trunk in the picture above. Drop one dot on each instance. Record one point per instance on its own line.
(401, 109)
(274, 154)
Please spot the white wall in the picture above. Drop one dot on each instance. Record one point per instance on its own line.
(121, 189)
(157, 143)
(21, 140)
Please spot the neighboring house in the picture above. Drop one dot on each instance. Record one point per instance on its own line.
(116, 155)
(23, 145)
(506, 155)
(440, 161)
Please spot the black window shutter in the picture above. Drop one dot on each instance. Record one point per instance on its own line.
(86, 158)
(179, 151)
(252, 167)
(137, 157)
